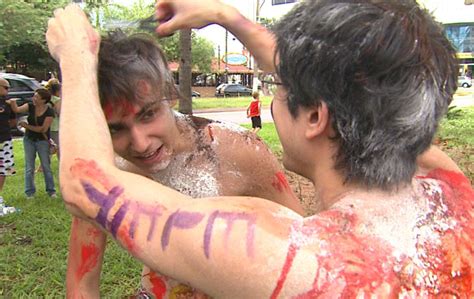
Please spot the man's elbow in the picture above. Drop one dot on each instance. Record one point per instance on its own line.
(72, 195)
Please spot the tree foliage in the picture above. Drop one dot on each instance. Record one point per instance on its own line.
(22, 33)
(127, 19)
(23, 26)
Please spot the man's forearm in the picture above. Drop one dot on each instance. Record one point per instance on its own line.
(86, 249)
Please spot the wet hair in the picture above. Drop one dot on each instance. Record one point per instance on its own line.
(53, 85)
(44, 94)
(386, 72)
(125, 61)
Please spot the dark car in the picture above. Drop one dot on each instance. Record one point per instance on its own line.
(22, 88)
(232, 90)
(194, 94)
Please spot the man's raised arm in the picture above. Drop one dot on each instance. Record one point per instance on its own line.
(174, 15)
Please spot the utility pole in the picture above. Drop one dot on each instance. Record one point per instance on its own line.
(255, 64)
(225, 58)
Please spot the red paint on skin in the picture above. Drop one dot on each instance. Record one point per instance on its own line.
(355, 264)
(280, 183)
(89, 258)
(456, 254)
(121, 107)
(124, 236)
(158, 285)
(211, 134)
(90, 171)
(94, 232)
(284, 272)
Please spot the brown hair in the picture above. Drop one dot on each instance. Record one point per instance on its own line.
(44, 94)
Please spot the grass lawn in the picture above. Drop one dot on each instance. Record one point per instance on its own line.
(33, 243)
(234, 102)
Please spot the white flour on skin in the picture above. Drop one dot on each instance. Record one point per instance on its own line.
(193, 180)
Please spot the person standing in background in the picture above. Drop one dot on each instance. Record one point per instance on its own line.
(254, 110)
(54, 87)
(40, 117)
(7, 120)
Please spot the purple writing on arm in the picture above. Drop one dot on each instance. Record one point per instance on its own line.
(104, 201)
(179, 219)
(230, 217)
(152, 211)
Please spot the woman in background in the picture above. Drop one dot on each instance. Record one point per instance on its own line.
(40, 117)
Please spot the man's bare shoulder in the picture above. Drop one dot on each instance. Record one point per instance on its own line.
(240, 140)
(413, 243)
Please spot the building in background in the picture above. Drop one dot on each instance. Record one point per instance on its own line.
(457, 17)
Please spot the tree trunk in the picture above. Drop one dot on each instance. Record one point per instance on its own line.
(185, 72)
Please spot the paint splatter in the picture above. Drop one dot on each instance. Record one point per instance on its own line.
(122, 107)
(89, 258)
(158, 285)
(89, 170)
(280, 183)
(124, 236)
(284, 272)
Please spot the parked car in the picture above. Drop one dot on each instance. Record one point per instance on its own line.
(194, 94)
(232, 90)
(464, 81)
(22, 88)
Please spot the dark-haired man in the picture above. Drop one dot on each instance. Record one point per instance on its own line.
(7, 121)
(195, 156)
(363, 87)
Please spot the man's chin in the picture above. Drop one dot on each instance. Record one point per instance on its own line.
(157, 167)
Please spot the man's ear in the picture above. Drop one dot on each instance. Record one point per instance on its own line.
(317, 120)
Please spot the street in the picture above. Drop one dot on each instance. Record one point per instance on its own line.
(464, 97)
(237, 117)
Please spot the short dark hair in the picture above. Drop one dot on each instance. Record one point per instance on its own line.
(126, 60)
(386, 72)
(44, 94)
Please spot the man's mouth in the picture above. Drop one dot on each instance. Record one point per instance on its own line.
(152, 157)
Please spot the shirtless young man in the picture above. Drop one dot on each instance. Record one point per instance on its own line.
(364, 85)
(195, 156)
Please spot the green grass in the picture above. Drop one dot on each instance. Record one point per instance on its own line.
(34, 245)
(234, 102)
(34, 242)
(458, 127)
(268, 133)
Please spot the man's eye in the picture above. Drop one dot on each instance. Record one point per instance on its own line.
(114, 130)
(149, 114)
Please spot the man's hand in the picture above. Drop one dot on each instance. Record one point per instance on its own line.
(185, 14)
(70, 33)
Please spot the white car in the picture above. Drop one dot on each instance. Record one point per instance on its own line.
(464, 81)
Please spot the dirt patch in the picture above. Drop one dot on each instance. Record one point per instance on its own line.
(304, 190)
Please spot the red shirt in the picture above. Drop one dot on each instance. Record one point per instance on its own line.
(254, 108)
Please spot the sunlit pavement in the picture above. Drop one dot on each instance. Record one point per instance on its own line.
(463, 97)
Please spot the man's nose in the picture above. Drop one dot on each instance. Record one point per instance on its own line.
(139, 140)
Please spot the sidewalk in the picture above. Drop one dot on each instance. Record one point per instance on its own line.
(464, 97)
